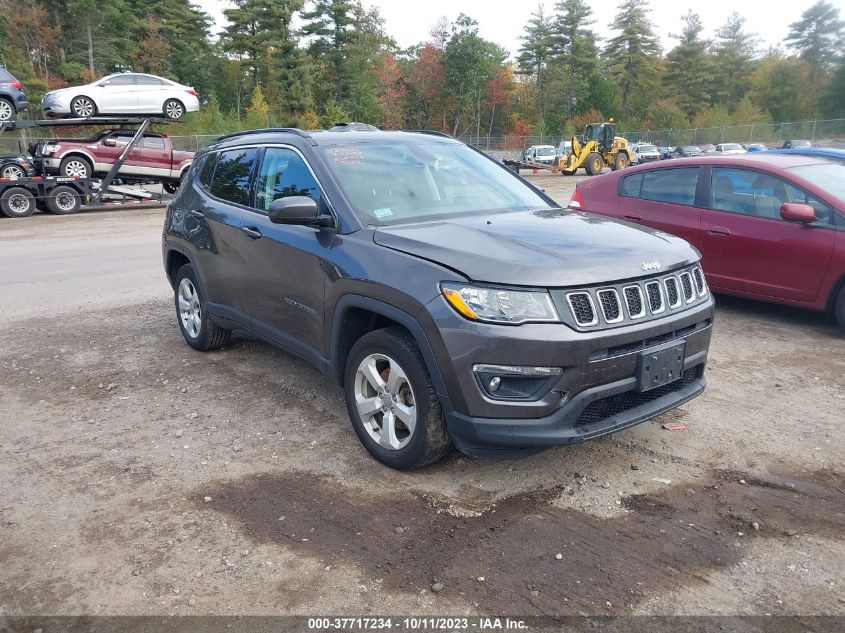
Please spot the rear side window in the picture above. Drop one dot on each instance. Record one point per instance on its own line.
(153, 142)
(207, 170)
(231, 178)
(676, 186)
(146, 80)
(631, 185)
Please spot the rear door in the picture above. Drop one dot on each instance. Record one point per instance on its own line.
(151, 157)
(150, 93)
(664, 199)
(750, 248)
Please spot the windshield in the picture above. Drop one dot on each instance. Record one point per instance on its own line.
(545, 151)
(398, 182)
(690, 149)
(646, 148)
(98, 135)
(829, 177)
(728, 146)
(801, 144)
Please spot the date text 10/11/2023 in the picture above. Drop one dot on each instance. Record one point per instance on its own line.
(416, 624)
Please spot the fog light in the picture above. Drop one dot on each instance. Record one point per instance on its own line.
(494, 383)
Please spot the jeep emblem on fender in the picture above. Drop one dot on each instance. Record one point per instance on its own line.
(650, 265)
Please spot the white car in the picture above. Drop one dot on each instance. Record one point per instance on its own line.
(542, 155)
(730, 148)
(122, 93)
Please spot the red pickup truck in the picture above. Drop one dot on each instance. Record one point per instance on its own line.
(153, 159)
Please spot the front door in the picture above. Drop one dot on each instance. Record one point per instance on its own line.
(285, 291)
(749, 248)
(116, 95)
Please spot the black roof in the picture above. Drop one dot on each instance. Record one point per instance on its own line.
(340, 134)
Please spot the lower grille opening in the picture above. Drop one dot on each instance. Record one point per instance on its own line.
(604, 408)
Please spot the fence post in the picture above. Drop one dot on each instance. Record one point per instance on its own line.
(751, 134)
(781, 131)
(670, 138)
(814, 132)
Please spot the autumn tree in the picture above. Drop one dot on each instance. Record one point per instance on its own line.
(391, 91)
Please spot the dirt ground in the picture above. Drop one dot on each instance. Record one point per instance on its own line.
(140, 477)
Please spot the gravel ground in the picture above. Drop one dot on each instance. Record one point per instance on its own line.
(140, 477)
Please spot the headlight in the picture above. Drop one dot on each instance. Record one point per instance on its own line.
(49, 149)
(500, 305)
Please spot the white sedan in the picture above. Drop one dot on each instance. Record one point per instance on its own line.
(122, 93)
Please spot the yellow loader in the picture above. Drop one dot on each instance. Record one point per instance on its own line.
(599, 148)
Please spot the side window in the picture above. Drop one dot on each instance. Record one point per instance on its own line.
(153, 142)
(824, 213)
(676, 186)
(231, 177)
(283, 173)
(122, 138)
(121, 80)
(146, 80)
(208, 169)
(630, 186)
(749, 192)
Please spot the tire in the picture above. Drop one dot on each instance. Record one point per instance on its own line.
(83, 107)
(839, 308)
(12, 172)
(17, 202)
(620, 162)
(594, 163)
(379, 354)
(173, 109)
(199, 330)
(76, 167)
(63, 200)
(7, 110)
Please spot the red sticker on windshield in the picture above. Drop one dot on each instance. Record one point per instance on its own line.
(346, 155)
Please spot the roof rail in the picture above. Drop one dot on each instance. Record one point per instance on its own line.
(431, 132)
(290, 130)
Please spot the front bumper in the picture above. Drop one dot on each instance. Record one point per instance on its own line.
(596, 393)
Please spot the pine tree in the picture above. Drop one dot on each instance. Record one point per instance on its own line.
(818, 37)
(734, 61)
(687, 68)
(535, 53)
(834, 104)
(633, 56)
(574, 49)
(331, 21)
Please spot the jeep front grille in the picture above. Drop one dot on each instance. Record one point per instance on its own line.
(581, 304)
(610, 306)
(618, 304)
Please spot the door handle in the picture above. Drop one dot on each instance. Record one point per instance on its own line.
(634, 217)
(197, 214)
(719, 231)
(252, 232)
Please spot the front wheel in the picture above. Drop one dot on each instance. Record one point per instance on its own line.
(620, 162)
(391, 401)
(199, 330)
(75, 167)
(83, 107)
(7, 111)
(594, 164)
(12, 172)
(17, 202)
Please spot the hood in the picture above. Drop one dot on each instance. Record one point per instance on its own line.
(549, 248)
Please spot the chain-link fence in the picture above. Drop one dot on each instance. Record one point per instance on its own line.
(827, 133)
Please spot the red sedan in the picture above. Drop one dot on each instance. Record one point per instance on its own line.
(769, 226)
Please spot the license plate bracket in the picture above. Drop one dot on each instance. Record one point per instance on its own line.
(661, 365)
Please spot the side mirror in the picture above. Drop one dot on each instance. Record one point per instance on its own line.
(797, 212)
(297, 210)
(110, 142)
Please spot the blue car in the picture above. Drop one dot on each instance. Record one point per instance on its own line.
(832, 154)
(12, 98)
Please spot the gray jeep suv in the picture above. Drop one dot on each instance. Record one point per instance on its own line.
(454, 302)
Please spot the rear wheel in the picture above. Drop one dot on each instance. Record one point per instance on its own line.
(620, 162)
(839, 307)
(63, 200)
(391, 401)
(199, 330)
(173, 109)
(83, 107)
(594, 163)
(7, 110)
(17, 202)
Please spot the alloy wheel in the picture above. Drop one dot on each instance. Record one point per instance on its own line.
(385, 401)
(12, 172)
(76, 169)
(6, 111)
(190, 312)
(83, 107)
(174, 110)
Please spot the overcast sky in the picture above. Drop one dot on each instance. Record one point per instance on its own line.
(409, 22)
